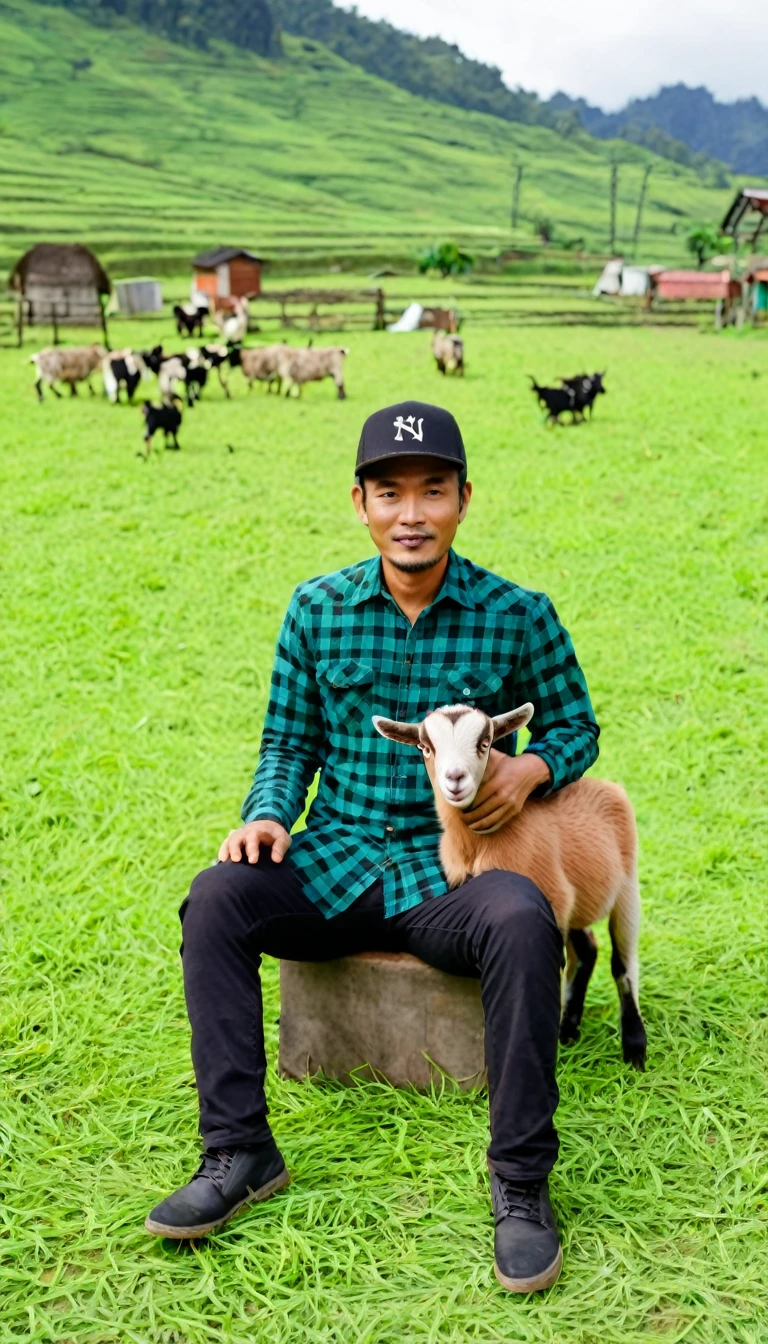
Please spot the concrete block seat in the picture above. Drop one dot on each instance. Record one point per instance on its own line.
(380, 1014)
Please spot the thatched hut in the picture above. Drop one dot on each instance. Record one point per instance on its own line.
(60, 284)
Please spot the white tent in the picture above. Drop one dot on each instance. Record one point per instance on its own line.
(634, 281)
(610, 280)
(410, 319)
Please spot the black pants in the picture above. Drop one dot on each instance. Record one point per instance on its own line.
(498, 927)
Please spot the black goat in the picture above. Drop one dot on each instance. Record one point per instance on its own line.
(189, 319)
(555, 399)
(167, 418)
(122, 369)
(586, 388)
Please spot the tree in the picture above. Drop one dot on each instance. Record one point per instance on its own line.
(447, 258)
(702, 242)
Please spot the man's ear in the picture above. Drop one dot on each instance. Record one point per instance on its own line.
(514, 719)
(408, 733)
(358, 499)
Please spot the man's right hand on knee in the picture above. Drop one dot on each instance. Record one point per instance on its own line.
(246, 840)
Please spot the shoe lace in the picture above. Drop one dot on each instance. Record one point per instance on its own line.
(517, 1201)
(215, 1166)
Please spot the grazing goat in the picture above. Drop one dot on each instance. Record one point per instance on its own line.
(448, 351)
(233, 326)
(66, 364)
(258, 363)
(190, 317)
(213, 357)
(579, 846)
(299, 366)
(586, 388)
(122, 368)
(189, 369)
(167, 418)
(555, 399)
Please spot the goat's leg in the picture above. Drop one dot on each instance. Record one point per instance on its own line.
(624, 926)
(73, 389)
(39, 389)
(223, 383)
(90, 386)
(55, 390)
(340, 390)
(582, 955)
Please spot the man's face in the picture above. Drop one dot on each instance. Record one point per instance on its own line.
(412, 509)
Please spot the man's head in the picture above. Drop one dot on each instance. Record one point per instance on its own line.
(411, 490)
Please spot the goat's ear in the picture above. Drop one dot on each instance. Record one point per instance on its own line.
(407, 733)
(514, 719)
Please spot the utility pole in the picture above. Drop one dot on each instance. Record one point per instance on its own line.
(614, 188)
(516, 195)
(640, 204)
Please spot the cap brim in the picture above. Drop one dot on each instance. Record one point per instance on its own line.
(394, 457)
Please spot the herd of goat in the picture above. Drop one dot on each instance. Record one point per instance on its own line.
(182, 376)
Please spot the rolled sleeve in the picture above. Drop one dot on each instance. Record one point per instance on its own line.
(563, 729)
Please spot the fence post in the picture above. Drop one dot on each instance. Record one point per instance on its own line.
(378, 318)
(54, 317)
(516, 195)
(614, 186)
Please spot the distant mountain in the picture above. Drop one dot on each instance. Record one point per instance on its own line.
(735, 133)
(427, 66)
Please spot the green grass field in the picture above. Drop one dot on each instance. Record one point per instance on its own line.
(141, 603)
(159, 150)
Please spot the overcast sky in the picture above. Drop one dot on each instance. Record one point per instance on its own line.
(604, 50)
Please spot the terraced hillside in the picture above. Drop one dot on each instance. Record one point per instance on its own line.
(155, 150)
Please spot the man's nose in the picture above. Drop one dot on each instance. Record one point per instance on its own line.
(412, 511)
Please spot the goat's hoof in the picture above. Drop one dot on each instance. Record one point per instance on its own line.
(635, 1055)
(570, 1031)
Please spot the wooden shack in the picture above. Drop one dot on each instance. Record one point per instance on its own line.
(696, 285)
(749, 207)
(59, 284)
(721, 287)
(225, 273)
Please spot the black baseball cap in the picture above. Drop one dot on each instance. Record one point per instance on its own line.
(411, 429)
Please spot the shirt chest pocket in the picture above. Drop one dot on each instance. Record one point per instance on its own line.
(472, 684)
(347, 691)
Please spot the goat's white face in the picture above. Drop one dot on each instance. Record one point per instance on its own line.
(455, 742)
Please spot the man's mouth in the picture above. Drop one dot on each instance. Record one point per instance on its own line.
(412, 540)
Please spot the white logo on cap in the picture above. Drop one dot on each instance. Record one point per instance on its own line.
(407, 423)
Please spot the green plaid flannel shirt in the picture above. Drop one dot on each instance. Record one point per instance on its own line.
(345, 652)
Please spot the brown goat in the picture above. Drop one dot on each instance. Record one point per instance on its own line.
(579, 846)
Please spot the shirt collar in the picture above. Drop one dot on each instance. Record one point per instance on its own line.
(365, 583)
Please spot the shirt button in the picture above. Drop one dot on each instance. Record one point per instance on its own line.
(466, 691)
(390, 830)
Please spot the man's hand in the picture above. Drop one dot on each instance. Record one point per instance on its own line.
(508, 782)
(250, 836)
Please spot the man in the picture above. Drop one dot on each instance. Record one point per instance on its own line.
(397, 636)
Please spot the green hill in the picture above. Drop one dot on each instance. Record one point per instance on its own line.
(155, 149)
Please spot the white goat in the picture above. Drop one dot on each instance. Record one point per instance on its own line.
(297, 366)
(66, 364)
(448, 351)
(233, 326)
(579, 846)
(171, 372)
